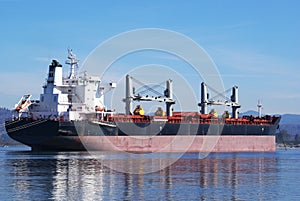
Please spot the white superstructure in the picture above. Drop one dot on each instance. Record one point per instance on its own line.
(69, 98)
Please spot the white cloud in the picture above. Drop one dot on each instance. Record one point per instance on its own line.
(286, 96)
(251, 61)
(42, 59)
(16, 83)
(242, 75)
(234, 26)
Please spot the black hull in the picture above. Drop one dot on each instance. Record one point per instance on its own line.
(68, 136)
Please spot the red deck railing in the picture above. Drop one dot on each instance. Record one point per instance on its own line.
(192, 118)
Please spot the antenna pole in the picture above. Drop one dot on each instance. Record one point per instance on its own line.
(73, 62)
(259, 107)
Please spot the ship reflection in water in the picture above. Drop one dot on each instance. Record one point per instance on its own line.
(78, 176)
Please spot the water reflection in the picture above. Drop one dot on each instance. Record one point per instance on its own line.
(76, 176)
(29, 180)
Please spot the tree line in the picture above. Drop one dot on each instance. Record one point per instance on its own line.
(283, 137)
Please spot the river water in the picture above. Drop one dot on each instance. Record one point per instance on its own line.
(27, 175)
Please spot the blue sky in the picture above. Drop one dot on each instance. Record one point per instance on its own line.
(254, 44)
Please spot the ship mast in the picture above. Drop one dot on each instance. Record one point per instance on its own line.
(73, 62)
(259, 107)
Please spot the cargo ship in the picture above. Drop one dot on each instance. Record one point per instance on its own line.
(70, 115)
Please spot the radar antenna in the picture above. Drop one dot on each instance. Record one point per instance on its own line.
(73, 62)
